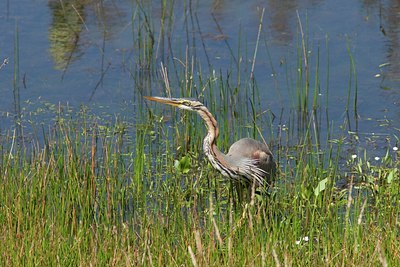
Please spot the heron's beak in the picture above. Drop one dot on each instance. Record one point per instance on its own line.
(163, 100)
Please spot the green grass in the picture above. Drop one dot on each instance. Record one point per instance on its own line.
(90, 195)
(84, 190)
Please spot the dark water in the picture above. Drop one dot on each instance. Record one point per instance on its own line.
(86, 52)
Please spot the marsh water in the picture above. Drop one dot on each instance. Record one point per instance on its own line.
(96, 53)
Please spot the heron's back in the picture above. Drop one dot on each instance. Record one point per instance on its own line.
(247, 148)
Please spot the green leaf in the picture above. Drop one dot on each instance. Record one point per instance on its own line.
(390, 177)
(320, 187)
(183, 165)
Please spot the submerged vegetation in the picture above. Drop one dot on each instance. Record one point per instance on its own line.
(88, 190)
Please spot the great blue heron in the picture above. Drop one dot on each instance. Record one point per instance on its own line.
(248, 160)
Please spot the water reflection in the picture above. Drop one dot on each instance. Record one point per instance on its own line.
(281, 16)
(65, 30)
(391, 16)
(69, 16)
(282, 23)
(133, 37)
(69, 21)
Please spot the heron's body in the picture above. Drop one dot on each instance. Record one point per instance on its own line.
(248, 160)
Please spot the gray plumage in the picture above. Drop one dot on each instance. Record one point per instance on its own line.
(247, 148)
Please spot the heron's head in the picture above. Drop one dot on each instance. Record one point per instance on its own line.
(183, 103)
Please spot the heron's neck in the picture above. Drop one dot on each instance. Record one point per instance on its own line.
(211, 123)
(209, 146)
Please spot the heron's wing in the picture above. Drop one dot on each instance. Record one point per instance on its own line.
(254, 159)
(248, 168)
(246, 147)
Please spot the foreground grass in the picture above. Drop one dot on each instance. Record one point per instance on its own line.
(88, 194)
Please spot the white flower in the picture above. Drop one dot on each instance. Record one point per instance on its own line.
(395, 148)
(305, 239)
(377, 158)
(354, 156)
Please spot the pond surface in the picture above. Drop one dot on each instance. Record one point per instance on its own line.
(94, 53)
